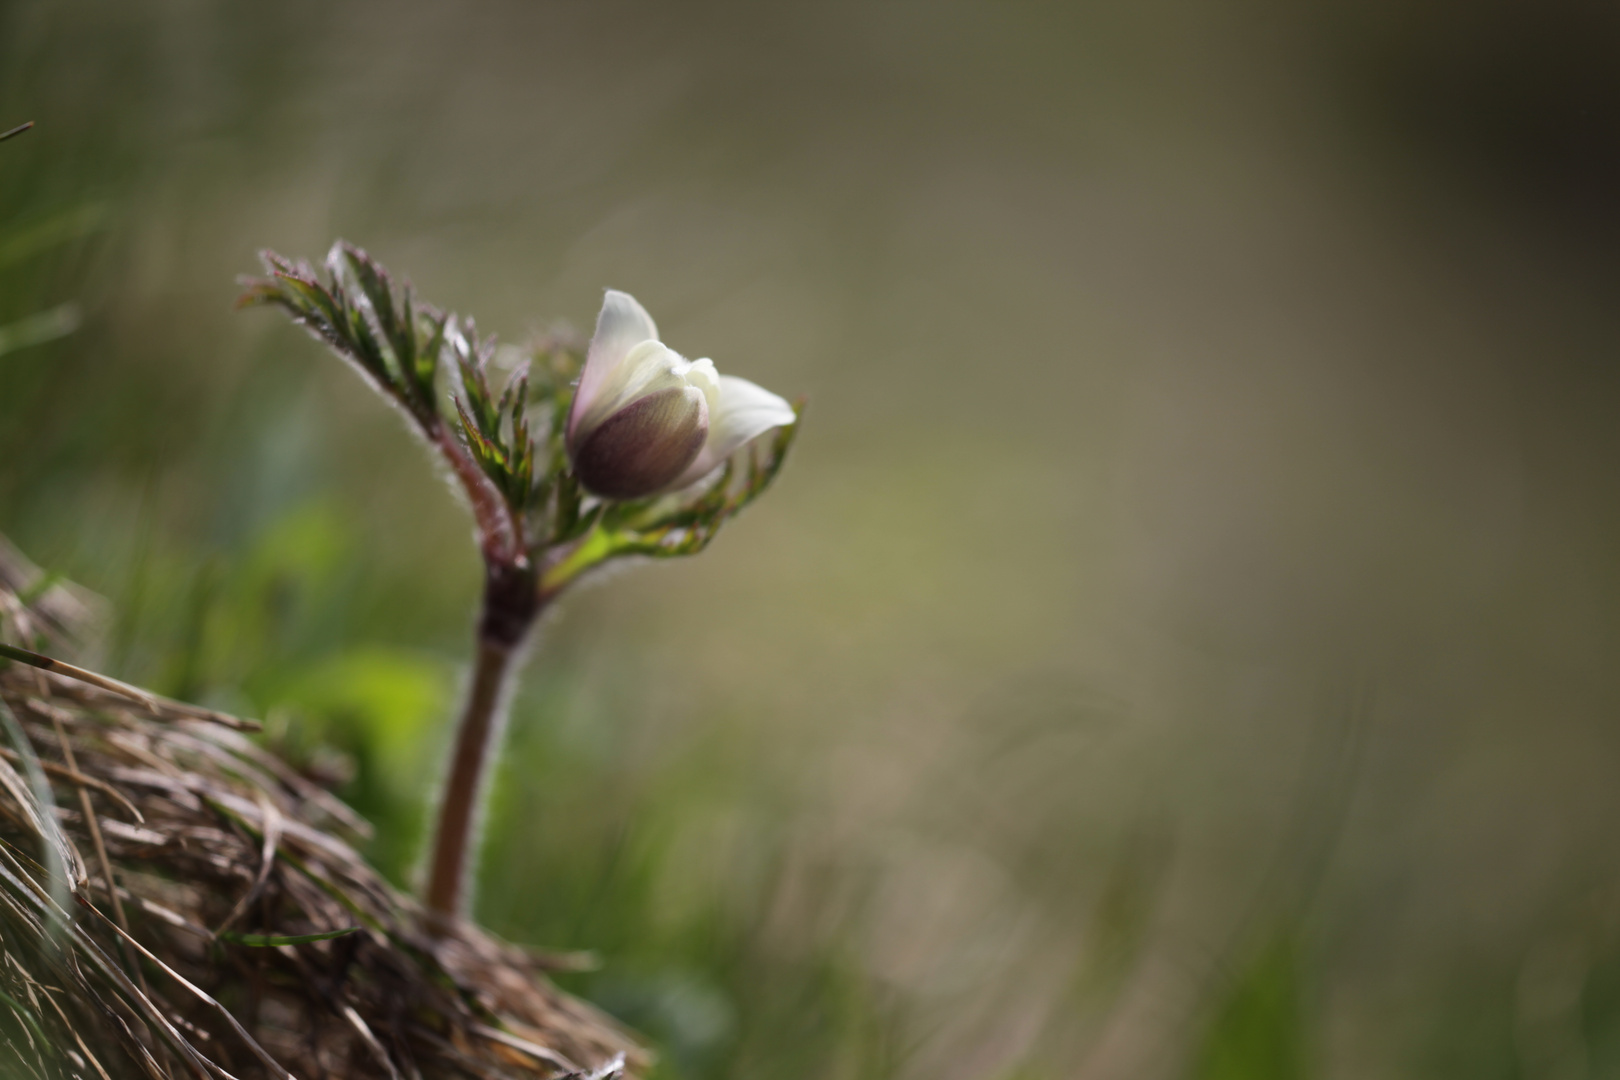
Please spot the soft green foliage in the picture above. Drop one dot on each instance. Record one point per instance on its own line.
(1258, 1032)
(510, 424)
(37, 329)
(18, 245)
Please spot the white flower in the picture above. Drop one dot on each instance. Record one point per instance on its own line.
(647, 420)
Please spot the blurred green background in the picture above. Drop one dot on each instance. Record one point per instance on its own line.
(1184, 641)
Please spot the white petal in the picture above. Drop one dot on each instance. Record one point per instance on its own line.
(703, 376)
(745, 412)
(622, 325)
(647, 368)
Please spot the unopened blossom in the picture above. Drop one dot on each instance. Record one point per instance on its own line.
(647, 420)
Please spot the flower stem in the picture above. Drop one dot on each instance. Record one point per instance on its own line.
(499, 531)
(511, 605)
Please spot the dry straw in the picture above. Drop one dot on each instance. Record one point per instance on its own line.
(245, 936)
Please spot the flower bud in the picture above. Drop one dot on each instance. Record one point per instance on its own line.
(644, 446)
(646, 420)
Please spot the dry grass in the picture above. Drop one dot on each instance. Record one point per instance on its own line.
(221, 854)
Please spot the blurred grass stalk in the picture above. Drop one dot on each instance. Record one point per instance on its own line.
(47, 325)
(52, 323)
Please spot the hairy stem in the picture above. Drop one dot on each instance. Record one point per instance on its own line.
(447, 872)
(511, 605)
(499, 535)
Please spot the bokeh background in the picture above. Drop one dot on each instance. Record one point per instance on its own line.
(1184, 641)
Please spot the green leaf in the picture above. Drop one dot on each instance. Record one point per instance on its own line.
(265, 941)
(427, 357)
(49, 325)
(27, 1016)
(60, 228)
(356, 314)
(1258, 1032)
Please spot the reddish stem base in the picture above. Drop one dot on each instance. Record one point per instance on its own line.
(510, 608)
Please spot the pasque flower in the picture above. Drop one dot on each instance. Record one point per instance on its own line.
(642, 421)
(646, 420)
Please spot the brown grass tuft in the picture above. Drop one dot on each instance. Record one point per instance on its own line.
(246, 938)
